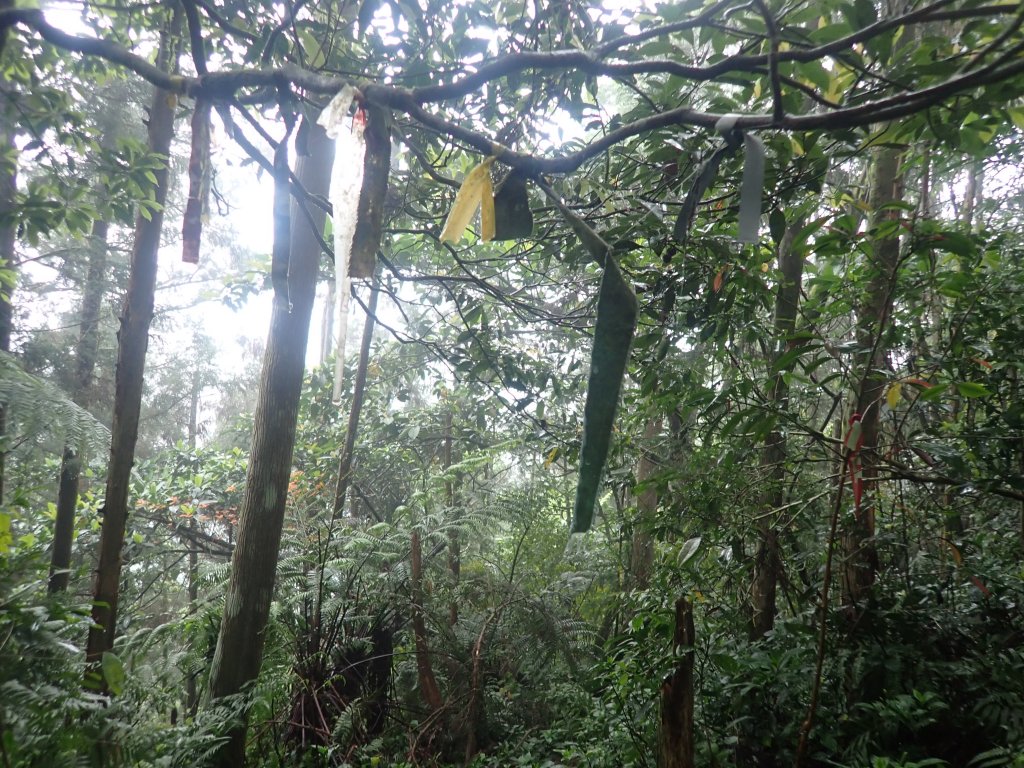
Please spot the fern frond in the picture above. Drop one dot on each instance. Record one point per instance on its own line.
(40, 410)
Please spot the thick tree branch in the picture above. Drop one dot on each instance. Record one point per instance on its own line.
(225, 85)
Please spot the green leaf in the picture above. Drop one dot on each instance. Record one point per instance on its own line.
(933, 393)
(777, 224)
(956, 242)
(113, 672)
(689, 549)
(860, 13)
(787, 358)
(5, 533)
(1016, 115)
(972, 389)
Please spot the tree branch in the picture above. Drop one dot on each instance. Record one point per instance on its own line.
(223, 86)
(195, 34)
(778, 114)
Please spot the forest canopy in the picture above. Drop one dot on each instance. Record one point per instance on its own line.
(635, 383)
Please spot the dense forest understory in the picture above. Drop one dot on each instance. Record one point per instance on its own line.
(512, 383)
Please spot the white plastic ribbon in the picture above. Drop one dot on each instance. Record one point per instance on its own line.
(753, 179)
(346, 183)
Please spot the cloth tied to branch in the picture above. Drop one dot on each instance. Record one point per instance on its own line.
(346, 183)
(750, 188)
(753, 177)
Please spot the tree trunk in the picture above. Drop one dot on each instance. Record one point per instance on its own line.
(85, 364)
(424, 667)
(641, 554)
(675, 735)
(64, 524)
(327, 324)
(358, 394)
(973, 193)
(454, 546)
(8, 259)
(767, 560)
(133, 340)
(191, 691)
(872, 321)
(253, 566)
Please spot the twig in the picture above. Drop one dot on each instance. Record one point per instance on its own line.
(819, 664)
(778, 114)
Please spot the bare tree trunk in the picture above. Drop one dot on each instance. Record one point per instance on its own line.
(133, 340)
(872, 321)
(768, 560)
(239, 652)
(358, 395)
(85, 364)
(675, 734)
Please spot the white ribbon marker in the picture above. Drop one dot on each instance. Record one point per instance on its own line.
(346, 182)
(753, 178)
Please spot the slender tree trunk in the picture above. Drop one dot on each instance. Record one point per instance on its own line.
(85, 364)
(424, 667)
(133, 340)
(327, 324)
(768, 560)
(872, 323)
(1020, 462)
(64, 524)
(239, 654)
(92, 306)
(191, 692)
(358, 395)
(641, 553)
(675, 734)
(8, 258)
(924, 206)
(973, 193)
(476, 713)
(454, 546)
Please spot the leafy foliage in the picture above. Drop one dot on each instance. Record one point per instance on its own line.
(729, 472)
